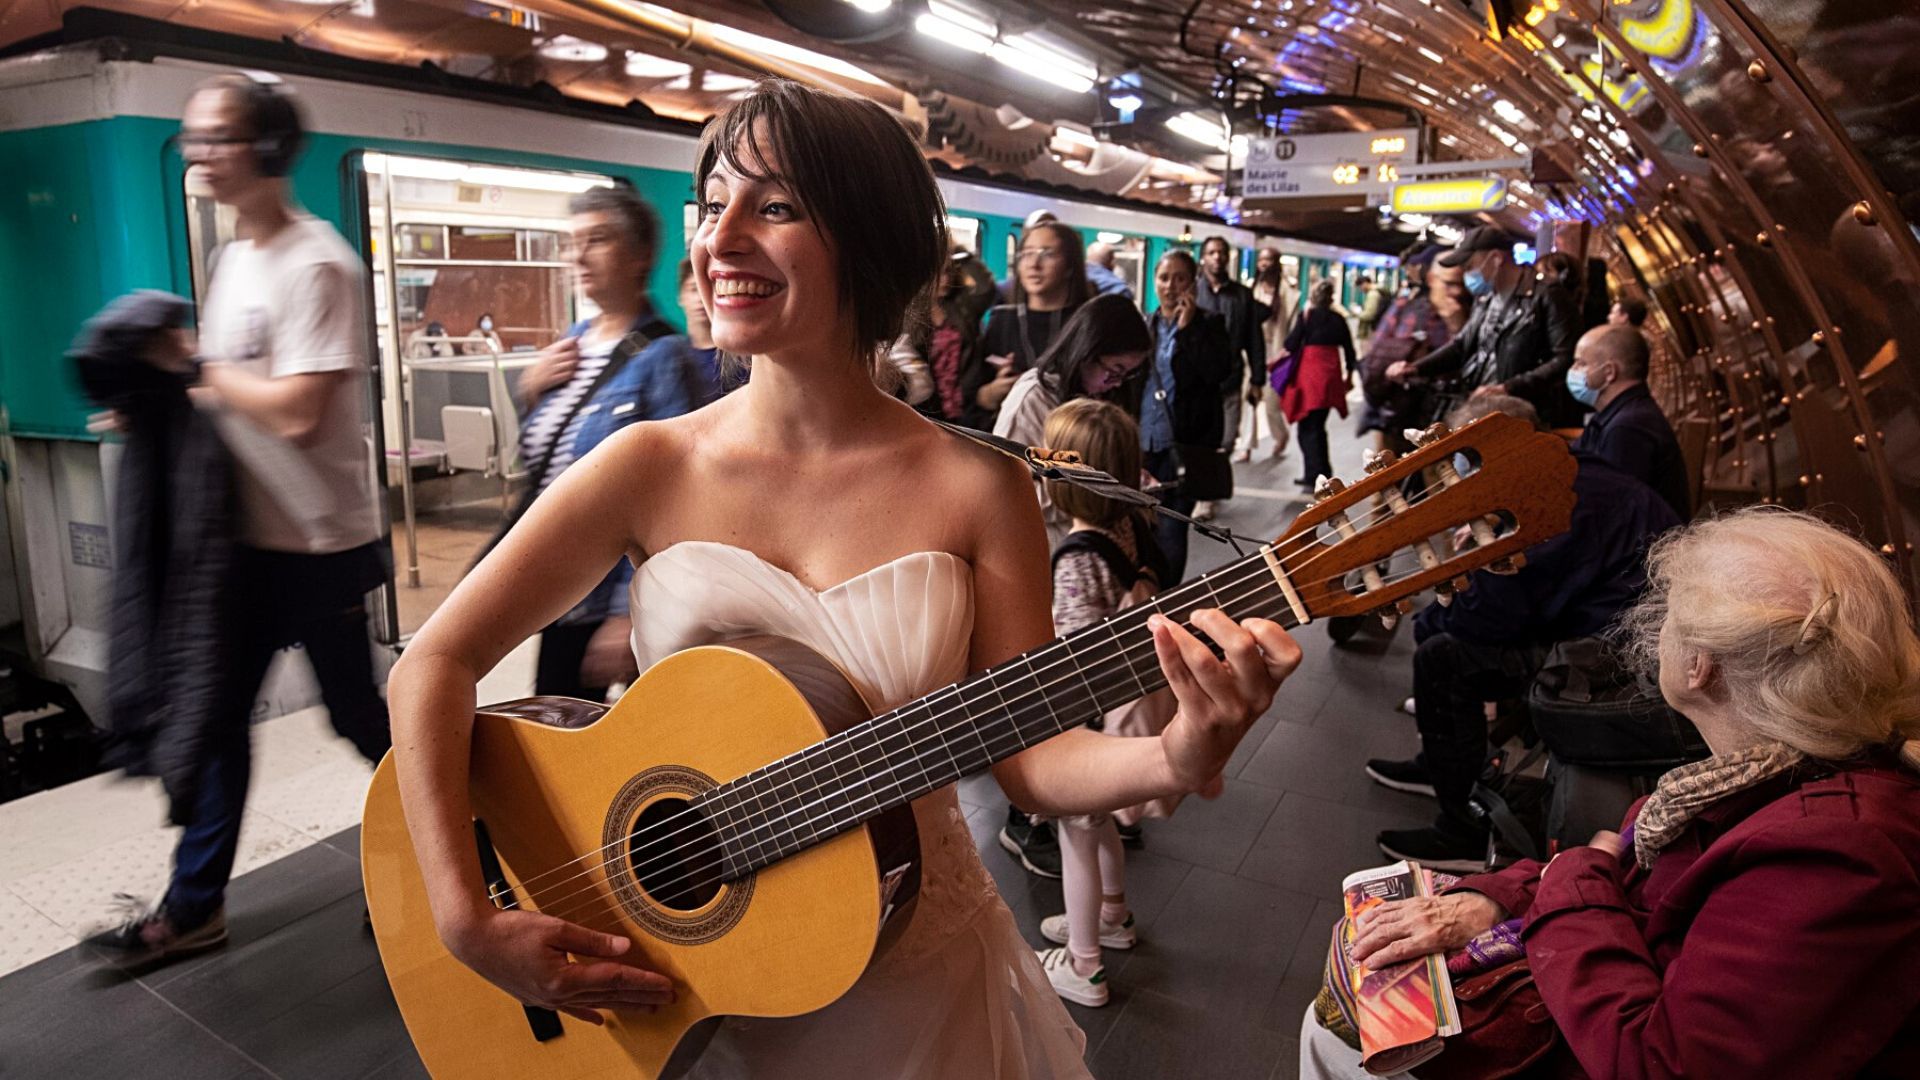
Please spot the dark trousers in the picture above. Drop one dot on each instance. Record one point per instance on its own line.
(557, 673)
(1452, 681)
(1164, 465)
(1311, 434)
(285, 599)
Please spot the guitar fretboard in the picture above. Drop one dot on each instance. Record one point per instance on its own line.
(896, 757)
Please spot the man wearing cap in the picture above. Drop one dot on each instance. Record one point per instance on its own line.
(1519, 339)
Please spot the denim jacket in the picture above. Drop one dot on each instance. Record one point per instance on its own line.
(660, 378)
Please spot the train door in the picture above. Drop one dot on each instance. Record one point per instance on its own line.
(471, 279)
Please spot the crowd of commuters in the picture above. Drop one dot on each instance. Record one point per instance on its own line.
(1742, 916)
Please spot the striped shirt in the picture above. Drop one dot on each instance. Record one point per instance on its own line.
(542, 430)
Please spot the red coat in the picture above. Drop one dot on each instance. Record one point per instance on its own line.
(1778, 936)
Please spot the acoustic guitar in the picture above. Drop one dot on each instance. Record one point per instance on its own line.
(745, 821)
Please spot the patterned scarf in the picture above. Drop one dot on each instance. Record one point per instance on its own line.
(1682, 793)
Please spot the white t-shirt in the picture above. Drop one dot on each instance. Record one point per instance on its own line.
(291, 306)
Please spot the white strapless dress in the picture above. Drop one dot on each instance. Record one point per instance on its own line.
(960, 995)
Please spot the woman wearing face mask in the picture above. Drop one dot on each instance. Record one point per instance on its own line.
(1099, 349)
(1049, 285)
(484, 339)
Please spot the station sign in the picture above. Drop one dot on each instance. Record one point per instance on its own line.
(1463, 196)
(1332, 163)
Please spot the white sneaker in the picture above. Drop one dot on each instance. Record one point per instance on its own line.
(1202, 511)
(1088, 990)
(1054, 929)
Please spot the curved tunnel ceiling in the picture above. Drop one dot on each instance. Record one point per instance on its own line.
(1750, 167)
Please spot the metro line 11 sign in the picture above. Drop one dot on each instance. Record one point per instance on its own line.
(1334, 163)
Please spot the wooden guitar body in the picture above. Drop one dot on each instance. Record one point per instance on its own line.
(554, 780)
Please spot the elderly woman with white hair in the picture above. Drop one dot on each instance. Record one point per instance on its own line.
(1760, 913)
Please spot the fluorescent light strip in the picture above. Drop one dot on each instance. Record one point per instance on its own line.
(783, 51)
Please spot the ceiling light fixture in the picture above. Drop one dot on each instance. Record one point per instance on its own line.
(794, 54)
(1046, 61)
(956, 27)
(645, 66)
(573, 50)
(1200, 128)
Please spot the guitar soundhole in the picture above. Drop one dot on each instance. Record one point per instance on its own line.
(675, 856)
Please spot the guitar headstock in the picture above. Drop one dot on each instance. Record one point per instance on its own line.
(1516, 491)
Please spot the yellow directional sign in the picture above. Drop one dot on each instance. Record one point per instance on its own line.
(1450, 196)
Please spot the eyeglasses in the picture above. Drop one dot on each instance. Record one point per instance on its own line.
(1045, 254)
(1115, 372)
(196, 143)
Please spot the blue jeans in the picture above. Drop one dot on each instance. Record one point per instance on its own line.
(286, 600)
(1164, 465)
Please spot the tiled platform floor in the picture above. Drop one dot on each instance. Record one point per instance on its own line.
(1234, 897)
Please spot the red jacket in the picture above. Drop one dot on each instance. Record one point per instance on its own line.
(1778, 936)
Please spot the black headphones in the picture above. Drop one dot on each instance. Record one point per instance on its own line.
(278, 134)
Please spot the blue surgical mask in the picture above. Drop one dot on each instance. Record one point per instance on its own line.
(1477, 283)
(486, 324)
(1577, 386)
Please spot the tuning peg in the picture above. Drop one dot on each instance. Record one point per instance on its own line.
(1510, 564)
(1432, 434)
(1327, 487)
(1461, 583)
(1380, 459)
(1404, 605)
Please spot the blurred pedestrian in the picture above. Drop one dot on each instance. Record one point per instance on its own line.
(1317, 346)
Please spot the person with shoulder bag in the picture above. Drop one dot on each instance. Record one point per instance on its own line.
(623, 366)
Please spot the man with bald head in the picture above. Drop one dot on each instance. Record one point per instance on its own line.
(1627, 429)
(1100, 273)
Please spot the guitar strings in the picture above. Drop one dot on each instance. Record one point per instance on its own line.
(607, 904)
(794, 829)
(1256, 572)
(1111, 679)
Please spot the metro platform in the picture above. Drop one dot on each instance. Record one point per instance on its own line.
(1235, 899)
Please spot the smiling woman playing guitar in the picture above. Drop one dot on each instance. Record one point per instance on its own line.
(812, 506)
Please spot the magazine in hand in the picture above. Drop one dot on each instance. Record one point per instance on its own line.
(1403, 1011)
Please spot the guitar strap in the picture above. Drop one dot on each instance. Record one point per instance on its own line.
(1045, 464)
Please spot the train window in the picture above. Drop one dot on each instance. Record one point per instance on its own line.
(471, 280)
(965, 232)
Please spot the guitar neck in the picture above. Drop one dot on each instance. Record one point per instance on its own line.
(832, 786)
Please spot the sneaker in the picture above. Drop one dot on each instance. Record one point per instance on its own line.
(1408, 776)
(148, 936)
(1088, 990)
(1054, 929)
(1437, 849)
(1036, 846)
(1202, 511)
(1130, 835)
(1245, 455)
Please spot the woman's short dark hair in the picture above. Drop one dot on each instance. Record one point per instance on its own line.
(636, 219)
(862, 180)
(1634, 310)
(1103, 326)
(1074, 250)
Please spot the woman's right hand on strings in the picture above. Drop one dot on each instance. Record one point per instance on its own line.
(526, 954)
